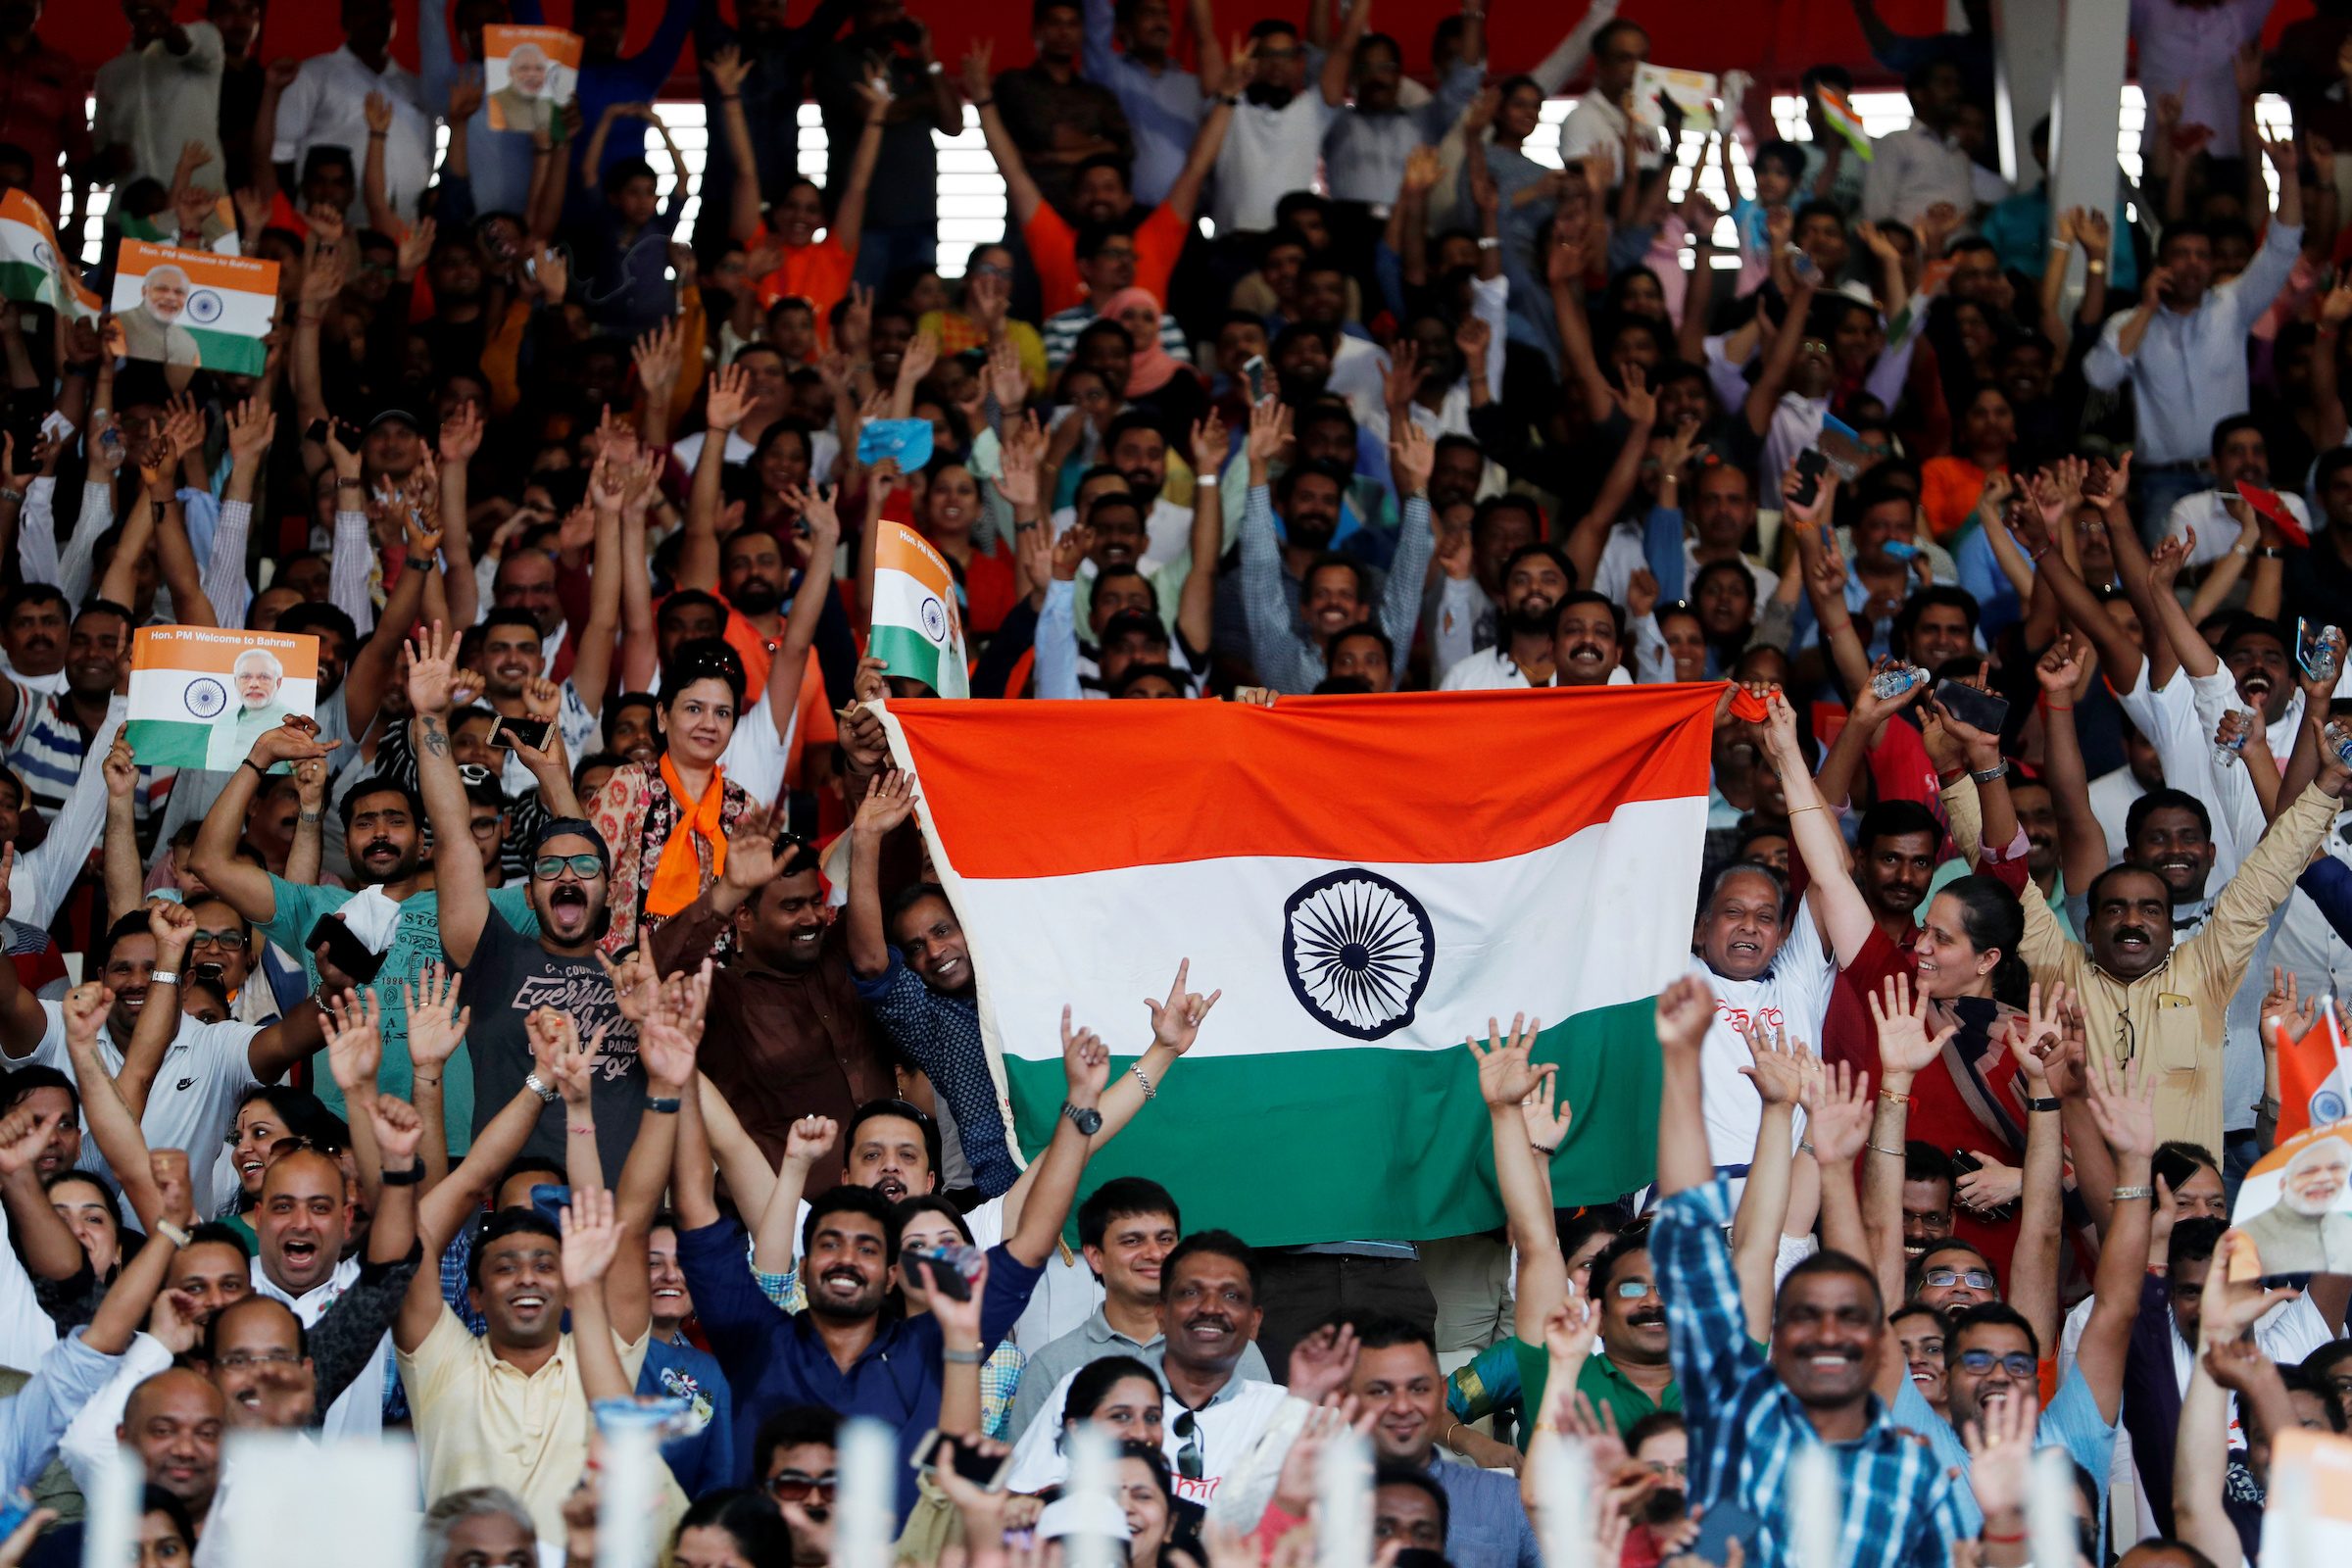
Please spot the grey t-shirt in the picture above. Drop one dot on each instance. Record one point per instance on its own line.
(511, 976)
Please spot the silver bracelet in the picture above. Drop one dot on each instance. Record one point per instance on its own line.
(2125, 1194)
(1145, 1079)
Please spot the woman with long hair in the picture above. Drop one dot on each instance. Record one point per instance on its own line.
(1118, 1395)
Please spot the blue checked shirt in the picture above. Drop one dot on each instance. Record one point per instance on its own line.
(1746, 1428)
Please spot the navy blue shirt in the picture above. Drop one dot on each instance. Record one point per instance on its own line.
(704, 1461)
(775, 1359)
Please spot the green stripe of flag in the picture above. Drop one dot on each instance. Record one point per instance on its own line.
(228, 351)
(166, 741)
(27, 281)
(1313, 1175)
(904, 651)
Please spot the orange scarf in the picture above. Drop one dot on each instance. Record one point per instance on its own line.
(679, 879)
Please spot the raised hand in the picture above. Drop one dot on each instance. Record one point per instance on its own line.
(429, 668)
(729, 70)
(1686, 1012)
(23, 1132)
(1322, 1362)
(1904, 1046)
(1546, 1115)
(555, 1046)
(436, 1023)
(1412, 458)
(173, 928)
(85, 1008)
(1506, 1075)
(591, 1229)
(2060, 666)
(1176, 1022)
(168, 1168)
(1085, 1062)
(667, 1051)
(2000, 1454)
(810, 1140)
(399, 1130)
(351, 1023)
(1269, 433)
(2040, 1031)
(1824, 498)
(728, 396)
(887, 805)
(1776, 1067)
(2124, 1102)
(1838, 1111)
(1212, 444)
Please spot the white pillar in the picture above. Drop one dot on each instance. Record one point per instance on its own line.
(2086, 105)
(2024, 80)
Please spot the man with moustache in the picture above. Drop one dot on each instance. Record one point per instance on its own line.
(786, 1034)
(1535, 580)
(2305, 1230)
(511, 662)
(1762, 956)
(1127, 1227)
(2140, 993)
(1588, 642)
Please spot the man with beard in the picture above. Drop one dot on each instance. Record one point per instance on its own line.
(789, 1037)
(384, 826)
(181, 1078)
(2306, 1229)
(914, 969)
(1749, 1410)
(1286, 659)
(1465, 613)
(2212, 521)
(1135, 447)
(48, 739)
(841, 1352)
(1127, 1228)
(2141, 994)
(1534, 579)
(511, 663)
(514, 967)
(1397, 1382)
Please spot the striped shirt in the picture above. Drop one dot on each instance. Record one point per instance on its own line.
(1061, 329)
(1746, 1428)
(46, 747)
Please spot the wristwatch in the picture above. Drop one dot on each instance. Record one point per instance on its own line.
(1086, 1119)
(163, 977)
(539, 1086)
(1997, 770)
(2045, 1103)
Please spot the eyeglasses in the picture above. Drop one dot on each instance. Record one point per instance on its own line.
(548, 867)
(1975, 1279)
(1669, 1468)
(1189, 1459)
(225, 941)
(1632, 1290)
(794, 1485)
(985, 269)
(2016, 1363)
(245, 1360)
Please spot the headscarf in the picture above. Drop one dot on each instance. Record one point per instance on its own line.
(1151, 365)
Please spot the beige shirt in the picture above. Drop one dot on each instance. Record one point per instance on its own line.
(2174, 1014)
(484, 1422)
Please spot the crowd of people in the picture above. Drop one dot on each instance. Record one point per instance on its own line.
(556, 1024)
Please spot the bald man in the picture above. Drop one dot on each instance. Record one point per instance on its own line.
(174, 1424)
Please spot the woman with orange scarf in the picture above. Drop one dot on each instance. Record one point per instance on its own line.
(668, 821)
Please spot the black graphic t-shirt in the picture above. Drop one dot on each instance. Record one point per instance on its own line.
(510, 976)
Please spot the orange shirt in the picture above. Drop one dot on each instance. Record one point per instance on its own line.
(818, 271)
(1053, 250)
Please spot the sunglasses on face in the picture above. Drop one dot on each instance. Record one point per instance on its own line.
(548, 867)
(1632, 1289)
(795, 1486)
(1975, 1279)
(2016, 1363)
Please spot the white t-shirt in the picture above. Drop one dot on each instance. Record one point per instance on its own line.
(824, 449)
(194, 1101)
(1793, 994)
(1270, 153)
(2217, 531)
(1228, 1427)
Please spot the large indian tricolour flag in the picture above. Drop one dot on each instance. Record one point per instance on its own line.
(1368, 879)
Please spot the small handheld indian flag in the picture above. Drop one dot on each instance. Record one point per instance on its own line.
(195, 308)
(33, 270)
(2312, 1080)
(1841, 119)
(918, 628)
(200, 697)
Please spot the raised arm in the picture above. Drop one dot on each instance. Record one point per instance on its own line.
(2041, 1219)
(1021, 194)
(776, 1239)
(1779, 1070)
(1339, 61)
(245, 886)
(457, 878)
(1507, 1078)
(849, 215)
(1845, 918)
(2124, 1102)
(1086, 1070)
(591, 1229)
(2082, 840)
